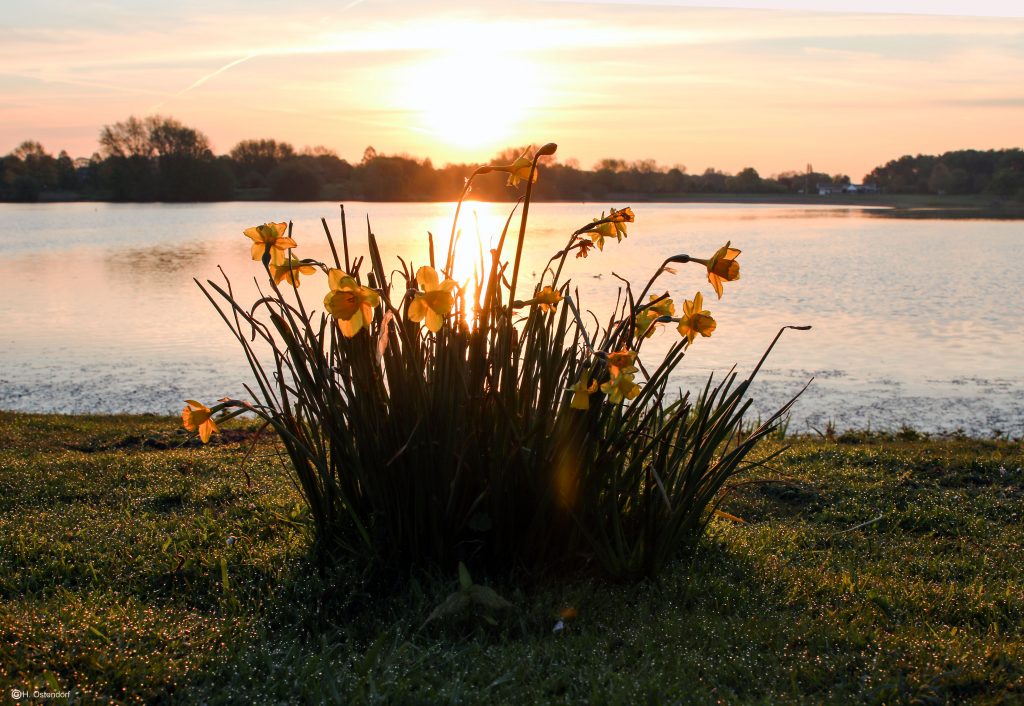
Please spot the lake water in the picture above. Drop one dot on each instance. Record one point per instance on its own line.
(916, 322)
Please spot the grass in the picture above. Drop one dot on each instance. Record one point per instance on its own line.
(136, 570)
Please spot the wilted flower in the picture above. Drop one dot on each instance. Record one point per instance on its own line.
(620, 387)
(290, 269)
(195, 416)
(269, 238)
(584, 248)
(547, 299)
(695, 319)
(434, 302)
(722, 267)
(582, 391)
(349, 303)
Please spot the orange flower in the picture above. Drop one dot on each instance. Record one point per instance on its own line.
(290, 269)
(434, 302)
(695, 320)
(195, 416)
(269, 239)
(349, 303)
(722, 267)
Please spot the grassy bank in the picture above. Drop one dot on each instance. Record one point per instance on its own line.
(873, 569)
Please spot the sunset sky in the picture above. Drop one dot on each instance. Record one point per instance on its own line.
(682, 83)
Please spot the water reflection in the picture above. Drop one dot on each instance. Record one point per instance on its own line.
(915, 321)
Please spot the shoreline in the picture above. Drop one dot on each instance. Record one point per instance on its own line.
(921, 206)
(828, 433)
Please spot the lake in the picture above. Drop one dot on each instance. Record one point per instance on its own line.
(915, 322)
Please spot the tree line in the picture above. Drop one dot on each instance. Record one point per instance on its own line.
(159, 159)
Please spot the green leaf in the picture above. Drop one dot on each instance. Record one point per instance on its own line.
(465, 580)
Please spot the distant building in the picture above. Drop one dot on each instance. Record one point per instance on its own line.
(827, 189)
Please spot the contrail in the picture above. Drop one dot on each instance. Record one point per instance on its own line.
(221, 70)
(201, 81)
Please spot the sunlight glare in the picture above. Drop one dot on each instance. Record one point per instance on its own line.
(471, 100)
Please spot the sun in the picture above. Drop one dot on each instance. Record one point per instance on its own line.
(470, 100)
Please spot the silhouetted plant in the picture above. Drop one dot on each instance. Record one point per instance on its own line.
(433, 421)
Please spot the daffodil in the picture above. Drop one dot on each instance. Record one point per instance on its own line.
(621, 361)
(290, 269)
(620, 218)
(197, 416)
(611, 226)
(582, 391)
(519, 170)
(602, 231)
(434, 302)
(547, 299)
(695, 319)
(646, 319)
(269, 239)
(349, 303)
(620, 387)
(722, 267)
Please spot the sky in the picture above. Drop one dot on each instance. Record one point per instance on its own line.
(772, 84)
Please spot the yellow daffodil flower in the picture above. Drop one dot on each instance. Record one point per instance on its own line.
(290, 269)
(664, 307)
(547, 299)
(197, 416)
(349, 303)
(645, 325)
(434, 302)
(621, 362)
(269, 238)
(582, 391)
(645, 320)
(620, 218)
(519, 170)
(695, 319)
(602, 231)
(722, 267)
(612, 226)
(621, 387)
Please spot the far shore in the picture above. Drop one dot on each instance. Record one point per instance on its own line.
(930, 206)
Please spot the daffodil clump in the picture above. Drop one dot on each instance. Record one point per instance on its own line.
(430, 420)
